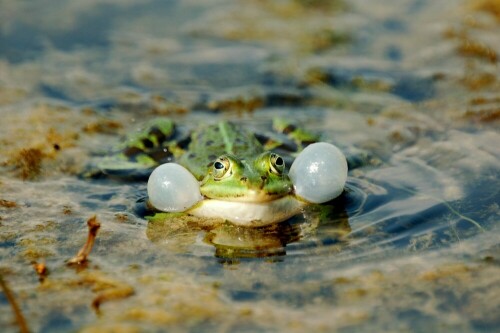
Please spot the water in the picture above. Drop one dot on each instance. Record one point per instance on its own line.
(412, 245)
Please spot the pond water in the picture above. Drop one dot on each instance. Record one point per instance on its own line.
(411, 88)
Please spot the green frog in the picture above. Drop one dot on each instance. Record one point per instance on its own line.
(224, 171)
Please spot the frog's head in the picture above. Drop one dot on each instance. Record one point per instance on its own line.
(260, 179)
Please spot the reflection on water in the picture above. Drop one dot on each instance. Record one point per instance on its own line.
(408, 89)
(234, 242)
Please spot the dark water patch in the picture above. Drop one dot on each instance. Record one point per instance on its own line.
(244, 295)
(449, 299)
(90, 30)
(418, 319)
(415, 223)
(481, 204)
(414, 89)
(53, 92)
(25, 42)
(394, 53)
(411, 87)
(486, 325)
(104, 105)
(416, 6)
(3, 299)
(299, 299)
(228, 75)
(92, 205)
(91, 27)
(395, 25)
(8, 244)
(19, 44)
(101, 197)
(56, 321)
(429, 226)
(118, 208)
(311, 293)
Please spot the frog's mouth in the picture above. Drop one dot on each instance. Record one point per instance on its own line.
(250, 214)
(250, 196)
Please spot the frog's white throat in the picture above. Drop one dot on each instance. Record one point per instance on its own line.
(249, 214)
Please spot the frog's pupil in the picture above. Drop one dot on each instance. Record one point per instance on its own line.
(219, 165)
(279, 161)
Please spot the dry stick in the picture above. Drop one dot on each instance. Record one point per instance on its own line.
(84, 252)
(21, 322)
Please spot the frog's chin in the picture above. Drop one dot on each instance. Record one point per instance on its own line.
(249, 214)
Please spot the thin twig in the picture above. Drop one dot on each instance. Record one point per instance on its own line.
(84, 252)
(21, 322)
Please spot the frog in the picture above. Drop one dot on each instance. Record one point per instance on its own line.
(226, 171)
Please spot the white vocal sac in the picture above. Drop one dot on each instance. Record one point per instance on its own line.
(172, 188)
(319, 173)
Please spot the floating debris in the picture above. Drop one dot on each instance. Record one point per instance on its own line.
(239, 104)
(488, 6)
(84, 252)
(121, 217)
(29, 162)
(483, 109)
(161, 106)
(117, 292)
(40, 269)
(7, 203)
(477, 49)
(106, 126)
(67, 210)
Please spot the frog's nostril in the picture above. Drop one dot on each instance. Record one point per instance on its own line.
(264, 178)
(243, 179)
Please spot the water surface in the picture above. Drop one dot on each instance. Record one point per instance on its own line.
(410, 87)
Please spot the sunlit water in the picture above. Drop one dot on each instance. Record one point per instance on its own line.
(411, 245)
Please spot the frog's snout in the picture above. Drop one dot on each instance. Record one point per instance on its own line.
(256, 184)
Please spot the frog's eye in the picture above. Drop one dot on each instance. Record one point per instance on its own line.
(221, 168)
(277, 164)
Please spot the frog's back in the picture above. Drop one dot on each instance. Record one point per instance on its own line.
(211, 141)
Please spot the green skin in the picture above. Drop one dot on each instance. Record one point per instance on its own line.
(242, 170)
(248, 170)
(230, 162)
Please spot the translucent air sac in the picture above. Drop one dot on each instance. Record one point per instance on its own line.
(172, 188)
(319, 173)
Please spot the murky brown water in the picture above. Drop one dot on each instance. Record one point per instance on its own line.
(413, 245)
